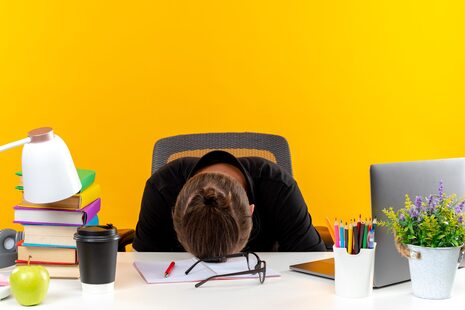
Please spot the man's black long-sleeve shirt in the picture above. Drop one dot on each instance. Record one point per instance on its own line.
(280, 219)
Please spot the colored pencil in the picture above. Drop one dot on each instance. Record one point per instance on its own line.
(356, 247)
(346, 236)
(350, 237)
(330, 228)
(336, 233)
(365, 236)
(371, 239)
(360, 235)
(341, 235)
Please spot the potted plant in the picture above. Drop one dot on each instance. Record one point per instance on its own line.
(430, 232)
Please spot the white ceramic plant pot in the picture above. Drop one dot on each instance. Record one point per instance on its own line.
(433, 273)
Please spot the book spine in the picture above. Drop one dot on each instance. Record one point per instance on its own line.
(88, 213)
(93, 221)
(45, 245)
(87, 178)
(46, 223)
(91, 211)
(90, 195)
(54, 255)
(20, 261)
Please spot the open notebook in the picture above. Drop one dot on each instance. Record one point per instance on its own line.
(154, 272)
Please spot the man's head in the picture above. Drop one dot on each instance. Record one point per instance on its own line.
(212, 215)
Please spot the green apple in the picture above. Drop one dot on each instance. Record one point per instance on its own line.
(29, 284)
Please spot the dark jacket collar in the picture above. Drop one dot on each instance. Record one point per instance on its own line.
(215, 157)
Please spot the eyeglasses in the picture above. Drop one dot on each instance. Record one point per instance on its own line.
(259, 267)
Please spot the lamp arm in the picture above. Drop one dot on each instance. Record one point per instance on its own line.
(14, 144)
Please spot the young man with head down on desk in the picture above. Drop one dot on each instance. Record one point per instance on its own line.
(219, 205)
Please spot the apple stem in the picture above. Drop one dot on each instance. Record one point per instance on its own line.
(29, 260)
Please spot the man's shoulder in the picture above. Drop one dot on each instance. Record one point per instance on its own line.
(175, 172)
(262, 170)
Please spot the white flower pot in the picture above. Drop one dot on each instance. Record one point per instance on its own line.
(433, 272)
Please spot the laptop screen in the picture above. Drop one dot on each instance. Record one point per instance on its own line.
(389, 184)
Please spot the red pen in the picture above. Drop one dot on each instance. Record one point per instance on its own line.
(169, 269)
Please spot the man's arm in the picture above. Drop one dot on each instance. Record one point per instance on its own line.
(295, 232)
(154, 231)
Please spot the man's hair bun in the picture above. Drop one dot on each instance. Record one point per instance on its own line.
(214, 198)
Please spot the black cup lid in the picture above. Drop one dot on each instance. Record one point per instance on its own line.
(97, 231)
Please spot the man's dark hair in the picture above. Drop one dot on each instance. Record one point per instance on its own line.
(212, 216)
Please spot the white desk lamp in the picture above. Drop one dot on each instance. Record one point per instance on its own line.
(48, 170)
(49, 175)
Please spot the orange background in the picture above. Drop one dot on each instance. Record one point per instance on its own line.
(347, 83)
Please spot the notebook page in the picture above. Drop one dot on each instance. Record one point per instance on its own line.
(154, 272)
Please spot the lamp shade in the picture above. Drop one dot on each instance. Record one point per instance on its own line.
(49, 173)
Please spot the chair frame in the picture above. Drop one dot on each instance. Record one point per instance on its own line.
(277, 145)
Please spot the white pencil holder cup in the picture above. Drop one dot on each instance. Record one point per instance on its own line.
(354, 273)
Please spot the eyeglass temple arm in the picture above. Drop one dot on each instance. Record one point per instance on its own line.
(253, 271)
(192, 267)
(14, 144)
(214, 258)
(236, 255)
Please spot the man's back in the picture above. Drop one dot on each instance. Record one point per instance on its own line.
(280, 220)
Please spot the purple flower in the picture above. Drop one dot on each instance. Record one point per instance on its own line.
(459, 207)
(430, 200)
(401, 217)
(431, 204)
(460, 220)
(413, 212)
(441, 190)
(418, 202)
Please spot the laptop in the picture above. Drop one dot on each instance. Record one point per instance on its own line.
(389, 184)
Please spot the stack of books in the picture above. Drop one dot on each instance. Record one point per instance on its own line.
(49, 228)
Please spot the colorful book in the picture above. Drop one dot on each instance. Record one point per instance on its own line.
(58, 271)
(49, 236)
(93, 221)
(20, 261)
(47, 255)
(49, 216)
(86, 176)
(74, 202)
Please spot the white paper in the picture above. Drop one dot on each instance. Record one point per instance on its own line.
(154, 272)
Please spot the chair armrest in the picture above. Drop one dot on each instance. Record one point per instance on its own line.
(126, 236)
(326, 236)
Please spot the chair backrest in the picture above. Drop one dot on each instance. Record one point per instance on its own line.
(240, 144)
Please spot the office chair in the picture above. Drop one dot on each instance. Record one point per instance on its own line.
(271, 147)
